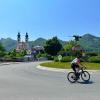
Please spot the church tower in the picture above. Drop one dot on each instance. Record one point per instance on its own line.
(18, 37)
(26, 41)
(26, 37)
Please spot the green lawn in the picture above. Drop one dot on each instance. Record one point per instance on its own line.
(63, 65)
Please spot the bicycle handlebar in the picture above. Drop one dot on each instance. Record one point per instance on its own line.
(83, 68)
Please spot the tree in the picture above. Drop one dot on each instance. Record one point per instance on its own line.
(52, 46)
(23, 53)
(68, 47)
(62, 52)
(2, 50)
(13, 53)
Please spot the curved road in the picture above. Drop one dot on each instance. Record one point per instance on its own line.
(24, 81)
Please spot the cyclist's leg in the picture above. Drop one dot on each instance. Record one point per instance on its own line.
(77, 71)
(73, 66)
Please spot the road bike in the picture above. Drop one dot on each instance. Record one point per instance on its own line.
(82, 73)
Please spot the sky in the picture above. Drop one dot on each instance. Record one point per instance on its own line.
(49, 18)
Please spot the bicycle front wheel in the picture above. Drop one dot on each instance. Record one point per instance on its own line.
(85, 76)
(71, 77)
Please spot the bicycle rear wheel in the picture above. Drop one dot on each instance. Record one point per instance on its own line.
(71, 77)
(85, 76)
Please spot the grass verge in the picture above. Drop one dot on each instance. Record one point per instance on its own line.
(63, 65)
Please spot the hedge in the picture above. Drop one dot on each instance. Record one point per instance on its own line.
(95, 59)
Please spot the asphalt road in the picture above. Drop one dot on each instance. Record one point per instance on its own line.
(24, 81)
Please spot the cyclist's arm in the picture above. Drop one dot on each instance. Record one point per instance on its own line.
(81, 65)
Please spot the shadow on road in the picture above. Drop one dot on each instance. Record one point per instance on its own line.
(86, 82)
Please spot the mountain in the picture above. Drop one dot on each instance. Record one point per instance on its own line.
(8, 43)
(90, 42)
(39, 41)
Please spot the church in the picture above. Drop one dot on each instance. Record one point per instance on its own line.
(22, 45)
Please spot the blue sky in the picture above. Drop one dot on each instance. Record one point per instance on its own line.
(48, 18)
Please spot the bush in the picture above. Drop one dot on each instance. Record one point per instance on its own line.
(62, 52)
(56, 59)
(41, 55)
(7, 58)
(92, 54)
(14, 59)
(95, 59)
(38, 56)
(67, 59)
(50, 57)
(64, 59)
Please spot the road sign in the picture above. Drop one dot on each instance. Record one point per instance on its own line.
(60, 57)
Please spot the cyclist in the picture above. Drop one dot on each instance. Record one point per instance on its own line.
(76, 65)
